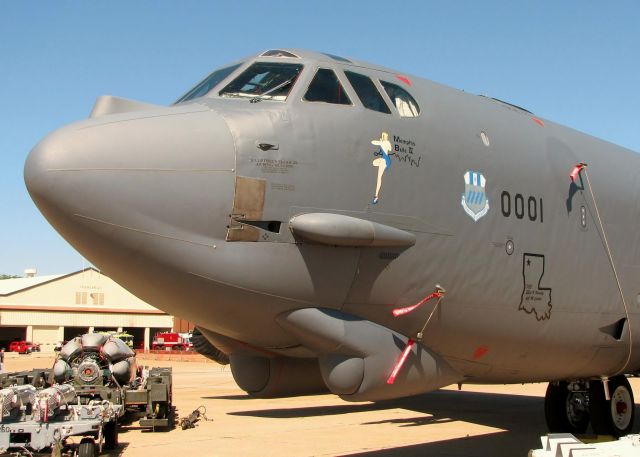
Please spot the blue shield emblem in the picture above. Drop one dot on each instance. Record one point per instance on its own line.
(474, 199)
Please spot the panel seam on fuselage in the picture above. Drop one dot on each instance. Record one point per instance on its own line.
(213, 246)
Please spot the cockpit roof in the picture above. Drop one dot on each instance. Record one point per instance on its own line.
(289, 57)
(292, 53)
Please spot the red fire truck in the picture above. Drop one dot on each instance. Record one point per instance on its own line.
(171, 341)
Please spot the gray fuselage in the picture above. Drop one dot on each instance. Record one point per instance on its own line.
(189, 207)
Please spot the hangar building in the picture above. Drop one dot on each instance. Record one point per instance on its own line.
(48, 309)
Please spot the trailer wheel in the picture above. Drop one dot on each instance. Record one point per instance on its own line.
(87, 449)
(110, 433)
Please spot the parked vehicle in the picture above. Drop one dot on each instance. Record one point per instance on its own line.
(186, 337)
(124, 336)
(23, 347)
(171, 341)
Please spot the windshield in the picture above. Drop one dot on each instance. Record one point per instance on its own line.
(208, 83)
(264, 80)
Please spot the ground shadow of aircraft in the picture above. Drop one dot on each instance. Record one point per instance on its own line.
(520, 416)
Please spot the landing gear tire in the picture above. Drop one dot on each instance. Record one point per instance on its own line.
(614, 416)
(565, 411)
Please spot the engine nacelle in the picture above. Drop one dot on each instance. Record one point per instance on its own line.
(357, 356)
(277, 377)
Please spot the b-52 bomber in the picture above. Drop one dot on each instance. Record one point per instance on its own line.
(332, 225)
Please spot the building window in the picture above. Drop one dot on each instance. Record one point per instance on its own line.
(98, 298)
(81, 298)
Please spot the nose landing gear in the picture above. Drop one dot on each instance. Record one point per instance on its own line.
(569, 407)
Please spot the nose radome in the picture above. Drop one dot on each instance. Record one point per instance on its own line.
(49, 155)
(142, 173)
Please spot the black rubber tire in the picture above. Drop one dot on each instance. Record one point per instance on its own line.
(87, 449)
(615, 416)
(110, 433)
(560, 415)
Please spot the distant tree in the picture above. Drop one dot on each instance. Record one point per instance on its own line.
(8, 276)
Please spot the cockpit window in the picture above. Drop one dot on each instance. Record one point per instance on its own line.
(325, 87)
(367, 92)
(264, 81)
(208, 83)
(404, 102)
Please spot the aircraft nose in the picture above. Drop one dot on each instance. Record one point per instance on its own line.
(49, 154)
(164, 173)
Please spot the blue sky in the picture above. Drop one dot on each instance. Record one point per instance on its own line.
(575, 62)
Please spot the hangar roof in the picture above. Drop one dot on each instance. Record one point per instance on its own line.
(11, 286)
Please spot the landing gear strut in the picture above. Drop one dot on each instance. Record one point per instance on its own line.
(569, 407)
